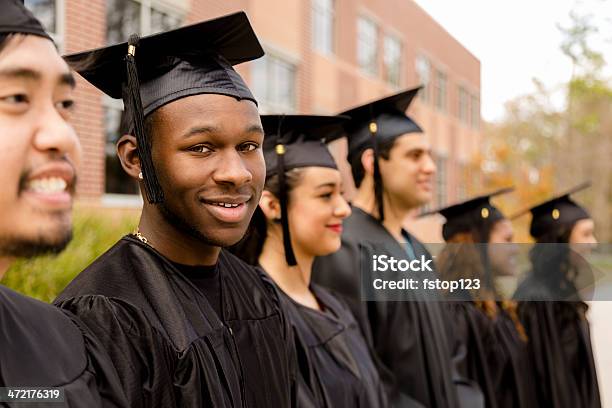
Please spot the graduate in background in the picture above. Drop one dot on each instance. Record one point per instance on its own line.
(551, 308)
(40, 345)
(299, 217)
(186, 323)
(497, 355)
(393, 170)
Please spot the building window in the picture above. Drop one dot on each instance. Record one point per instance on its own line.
(48, 12)
(423, 70)
(463, 109)
(475, 112)
(323, 26)
(393, 60)
(274, 84)
(367, 40)
(123, 18)
(440, 91)
(115, 125)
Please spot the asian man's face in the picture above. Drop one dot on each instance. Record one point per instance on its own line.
(40, 149)
(207, 151)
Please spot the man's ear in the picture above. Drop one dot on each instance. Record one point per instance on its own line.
(270, 206)
(128, 155)
(367, 161)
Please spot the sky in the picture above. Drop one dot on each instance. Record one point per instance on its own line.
(517, 40)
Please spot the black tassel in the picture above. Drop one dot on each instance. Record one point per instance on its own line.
(153, 190)
(378, 184)
(282, 188)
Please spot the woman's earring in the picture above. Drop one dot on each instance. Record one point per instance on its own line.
(140, 176)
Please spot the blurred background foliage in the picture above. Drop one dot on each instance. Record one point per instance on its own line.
(543, 147)
(95, 231)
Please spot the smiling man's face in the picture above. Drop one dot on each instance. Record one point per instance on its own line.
(208, 158)
(39, 148)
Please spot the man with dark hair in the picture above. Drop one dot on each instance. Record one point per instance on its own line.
(393, 170)
(186, 323)
(40, 345)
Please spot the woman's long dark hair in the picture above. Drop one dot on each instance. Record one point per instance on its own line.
(465, 258)
(250, 246)
(551, 263)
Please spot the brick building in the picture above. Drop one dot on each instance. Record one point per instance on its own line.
(322, 56)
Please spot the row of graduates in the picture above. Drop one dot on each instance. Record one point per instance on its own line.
(169, 316)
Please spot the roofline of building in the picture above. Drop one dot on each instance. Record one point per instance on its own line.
(447, 32)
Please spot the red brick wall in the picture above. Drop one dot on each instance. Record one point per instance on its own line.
(84, 28)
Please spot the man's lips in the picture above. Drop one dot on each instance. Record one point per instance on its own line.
(51, 185)
(227, 209)
(335, 227)
(425, 184)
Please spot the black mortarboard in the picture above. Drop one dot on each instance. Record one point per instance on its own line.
(17, 19)
(556, 212)
(379, 122)
(294, 141)
(464, 216)
(153, 71)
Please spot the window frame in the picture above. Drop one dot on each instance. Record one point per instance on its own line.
(425, 94)
(58, 35)
(374, 71)
(316, 45)
(266, 103)
(112, 199)
(441, 90)
(390, 37)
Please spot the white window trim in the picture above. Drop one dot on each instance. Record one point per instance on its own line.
(400, 80)
(332, 52)
(376, 21)
(281, 53)
(60, 25)
(110, 200)
(278, 52)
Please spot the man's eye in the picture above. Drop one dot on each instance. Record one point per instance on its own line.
(200, 148)
(249, 147)
(15, 99)
(67, 104)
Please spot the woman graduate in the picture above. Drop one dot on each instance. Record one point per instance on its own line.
(478, 249)
(556, 322)
(299, 217)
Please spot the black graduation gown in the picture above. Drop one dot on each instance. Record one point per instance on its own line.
(516, 383)
(559, 347)
(418, 356)
(169, 346)
(42, 346)
(484, 358)
(336, 364)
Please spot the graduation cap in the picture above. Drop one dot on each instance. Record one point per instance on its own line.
(463, 216)
(555, 212)
(295, 141)
(379, 122)
(17, 19)
(150, 72)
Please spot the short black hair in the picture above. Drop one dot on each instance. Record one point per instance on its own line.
(4, 39)
(384, 151)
